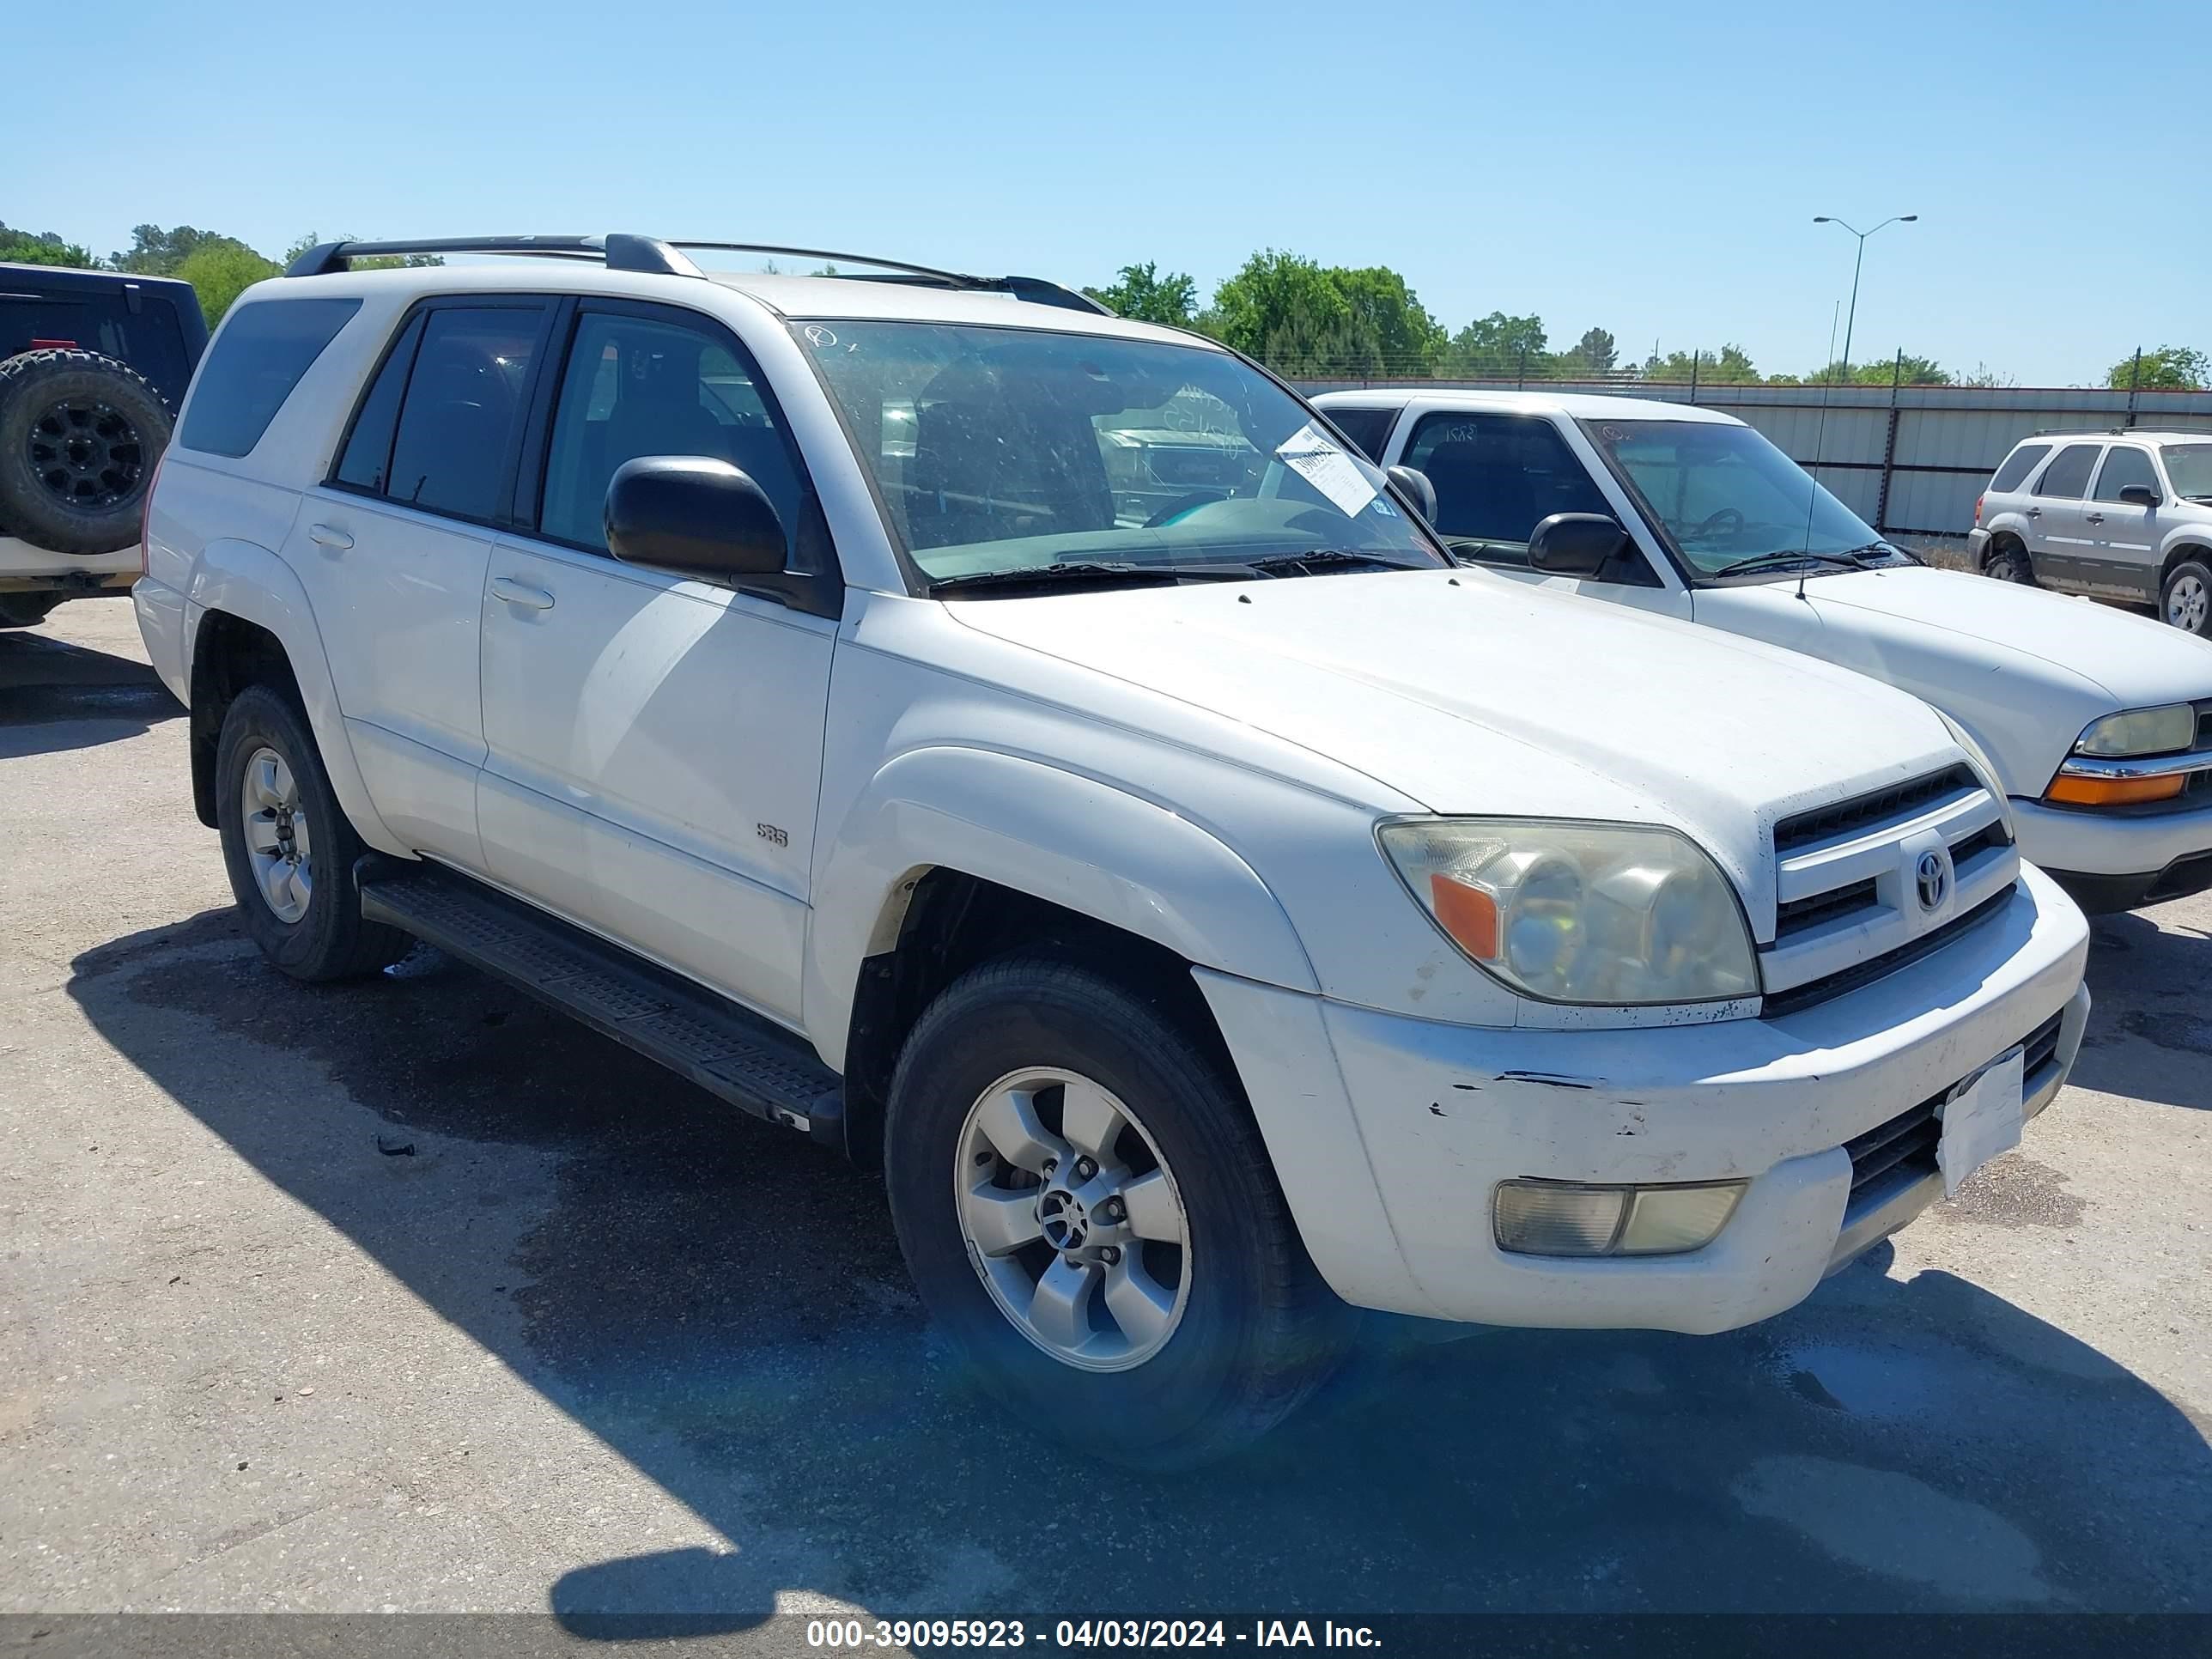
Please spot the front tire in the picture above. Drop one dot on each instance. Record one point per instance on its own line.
(2185, 599)
(288, 847)
(1089, 1213)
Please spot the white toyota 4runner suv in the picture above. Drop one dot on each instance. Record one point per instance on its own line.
(2096, 723)
(1216, 911)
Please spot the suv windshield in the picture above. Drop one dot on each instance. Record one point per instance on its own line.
(999, 450)
(2188, 466)
(1725, 496)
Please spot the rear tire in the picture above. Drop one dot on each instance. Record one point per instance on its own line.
(26, 609)
(290, 856)
(2185, 599)
(2011, 563)
(1252, 1330)
(79, 435)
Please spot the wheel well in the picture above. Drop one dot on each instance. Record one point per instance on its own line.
(228, 656)
(954, 921)
(2182, 555)
(2002, 542)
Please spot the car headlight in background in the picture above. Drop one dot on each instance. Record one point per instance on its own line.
(1609, 914)
(2163, 731)
(2097, 773)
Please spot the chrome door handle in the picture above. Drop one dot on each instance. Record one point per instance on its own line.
(521, 593)
(2096, 518)
(323, 536)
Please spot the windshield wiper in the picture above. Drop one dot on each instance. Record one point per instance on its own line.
(1783, 561)
(1093, 571)
(1325, 558)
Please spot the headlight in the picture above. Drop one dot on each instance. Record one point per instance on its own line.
(1609, 914)
(2163, 731)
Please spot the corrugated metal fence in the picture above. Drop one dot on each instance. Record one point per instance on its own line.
(1909, 459)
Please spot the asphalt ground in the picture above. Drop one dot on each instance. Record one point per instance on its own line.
(409, 1295)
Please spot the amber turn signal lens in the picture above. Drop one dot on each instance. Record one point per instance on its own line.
(2113, 792)
(1468, 914)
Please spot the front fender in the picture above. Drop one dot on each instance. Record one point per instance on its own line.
(1071, 841)
(248, 581)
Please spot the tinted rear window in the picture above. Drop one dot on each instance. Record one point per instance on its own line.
(254, 365)
(1368, 429)
(2018, 465)
(2068, 475)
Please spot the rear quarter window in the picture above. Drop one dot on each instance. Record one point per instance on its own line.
(2017, 466)
(252, 368)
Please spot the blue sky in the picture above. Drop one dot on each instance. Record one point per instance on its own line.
(1652, 169)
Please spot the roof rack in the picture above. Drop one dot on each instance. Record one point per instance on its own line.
(653, 255)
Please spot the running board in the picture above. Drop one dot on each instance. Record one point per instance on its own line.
(752, 1064)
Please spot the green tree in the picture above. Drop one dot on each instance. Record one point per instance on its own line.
(220, 272)
(2169, 369)
(1145, 296)
(1731, 365)
(1303, 318)
(25, 247)
(1498, 346)
(1915, 371)
(1596, 354)
(155, 251)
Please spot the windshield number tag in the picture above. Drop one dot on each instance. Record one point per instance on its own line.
(1310, 454)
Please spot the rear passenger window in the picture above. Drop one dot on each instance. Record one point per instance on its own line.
(464, 405)
(1368, 429)
(2124, 467)
(257, 360)
(639, 385)
(1496, 477)
(366, 460)
(2017, 466)
(2068, 475)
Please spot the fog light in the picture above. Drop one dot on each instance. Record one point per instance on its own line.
(1565, 1218)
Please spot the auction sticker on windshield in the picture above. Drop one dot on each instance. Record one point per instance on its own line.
(1312, 454)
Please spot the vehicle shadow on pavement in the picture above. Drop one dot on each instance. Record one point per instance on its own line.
(725, 1306)
(56, 695)
(2150, 1031)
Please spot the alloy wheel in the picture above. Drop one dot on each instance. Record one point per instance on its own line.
(277, 841)
(2187, 603)
(1072, 1219)
(86, 454)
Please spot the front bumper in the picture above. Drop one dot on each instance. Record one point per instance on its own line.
(2115, 860)
(1440, 1114)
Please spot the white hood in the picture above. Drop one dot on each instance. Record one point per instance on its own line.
(2023, 670)
(1471, 693)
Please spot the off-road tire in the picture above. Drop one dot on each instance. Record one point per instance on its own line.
(79, 433)
(1260, 1332)
(330, 941)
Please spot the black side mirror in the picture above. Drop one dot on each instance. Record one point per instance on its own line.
(1417, 490)
(692, 515)
(2140, 496)
(1576, 543)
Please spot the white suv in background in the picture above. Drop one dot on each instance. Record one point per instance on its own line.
(1212, 906)
(2098, 723)
(2117, 515)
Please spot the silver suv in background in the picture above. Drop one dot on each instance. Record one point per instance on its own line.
(2117, 515)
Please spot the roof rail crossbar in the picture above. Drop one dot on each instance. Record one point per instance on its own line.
(619, 251)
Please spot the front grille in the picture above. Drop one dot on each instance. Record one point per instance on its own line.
(1971, 847)
(1906, 1144)
(2204, 726)
(1805, 830)
(1864, 972)
(1798, 915)
(2041, 1047)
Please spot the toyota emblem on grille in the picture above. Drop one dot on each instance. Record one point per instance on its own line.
(1933, 875)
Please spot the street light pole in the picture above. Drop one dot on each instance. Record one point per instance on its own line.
(1860, 260)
